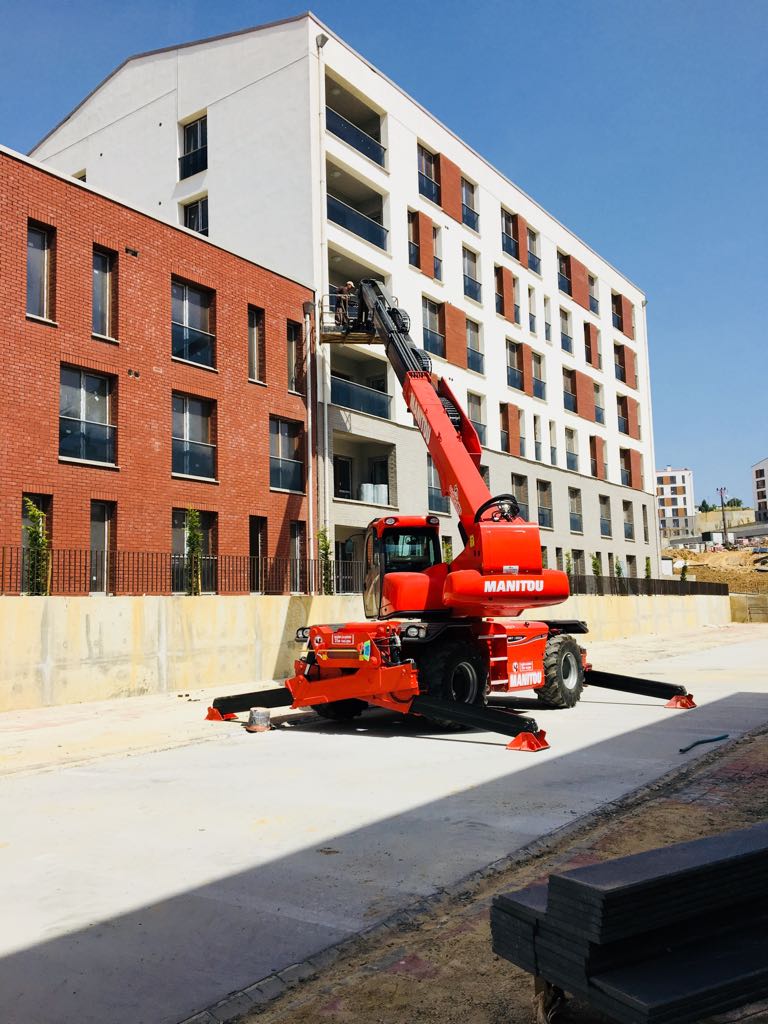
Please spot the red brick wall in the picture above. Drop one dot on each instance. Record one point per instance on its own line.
(630, 366)
(527, 369)
(512, 425)
(626, 317)
(426, 244)
(455, 331)
(450, 187)
(521, 228)
(32, 352)
(507, 294)
(635, 469)
(632, 418)
(585, 396)
(579, 283)
(599, 449)
(590, 337)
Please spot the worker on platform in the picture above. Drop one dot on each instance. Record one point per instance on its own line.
(342, 304)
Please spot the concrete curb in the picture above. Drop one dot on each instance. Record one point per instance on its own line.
(256, 996)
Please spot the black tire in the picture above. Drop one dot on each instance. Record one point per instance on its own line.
(455, 672)
(341, 710)
(563, 673)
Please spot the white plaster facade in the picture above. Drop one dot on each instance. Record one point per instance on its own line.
(675, 503)
(271, 161)
(760, 490)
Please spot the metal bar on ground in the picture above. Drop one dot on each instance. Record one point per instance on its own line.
(491, 720)
(630, 684)
(278, 697)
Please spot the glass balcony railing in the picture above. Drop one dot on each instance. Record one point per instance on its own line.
(438, 269)
(625, 477)
(577, 522)
(616, 320)
(470, 217)
(434, 342)
(623, 425)
(515, 378)
(572, 460)
(517, 313)
(413, 254)
(354, 136)
(594, 305)
(599, 414)
(605, 527)
(621, 373)
(500, 304)
(480, 428)
(359, 397)
(286, 474)
(532, 323)
(534, 263)
(553, 455)
(437, 502)
(545, 517)
(475, 360)
(629, 531)
(564, 283)
(472, 288)
(569, 401)
(539, 388)
(429, 188)
(566, 342)
(547, 331)
(82, 439)
(193, 163)
(192, 345)
(193, 458)
(347, 217)
(509, 245)
(537, 451)
(505, 441)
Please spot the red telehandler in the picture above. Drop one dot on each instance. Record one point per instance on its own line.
(442, 638)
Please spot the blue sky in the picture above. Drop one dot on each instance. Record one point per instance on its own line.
(641, 124)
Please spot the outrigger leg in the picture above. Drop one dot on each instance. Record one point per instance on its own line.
(677, 696)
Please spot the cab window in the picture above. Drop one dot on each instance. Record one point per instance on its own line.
(410, 550)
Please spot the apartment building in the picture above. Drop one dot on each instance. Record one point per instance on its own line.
(675, 504)
(147, 372)
(289, 148)
(759, 490)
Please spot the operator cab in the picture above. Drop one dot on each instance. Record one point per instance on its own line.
(404, 569)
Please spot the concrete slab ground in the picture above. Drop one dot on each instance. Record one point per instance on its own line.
(145, 887)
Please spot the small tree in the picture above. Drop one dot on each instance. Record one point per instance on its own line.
(619, 569)
(648, 568)
(194, 552)
(706, 507)
(684, 572)
(569, 563)
(326, 565)
(734, 503)
(37, 570)
(597, 569)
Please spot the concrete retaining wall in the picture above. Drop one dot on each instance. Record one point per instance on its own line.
(749, 607)
(63, 650)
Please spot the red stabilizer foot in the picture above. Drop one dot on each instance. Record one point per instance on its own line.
(214, 715)
(681, 702)
(529, 741)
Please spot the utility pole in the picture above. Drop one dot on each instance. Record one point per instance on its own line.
(722, 491)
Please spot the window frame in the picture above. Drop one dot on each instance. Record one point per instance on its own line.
(47, 233)
(211, 432)
(82, 418)
(111, 305)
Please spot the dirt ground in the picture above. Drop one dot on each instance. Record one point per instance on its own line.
(438, 967)
(736, 568)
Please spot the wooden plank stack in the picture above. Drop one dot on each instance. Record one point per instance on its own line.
(671, 935)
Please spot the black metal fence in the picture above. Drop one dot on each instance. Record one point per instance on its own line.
(634, 586)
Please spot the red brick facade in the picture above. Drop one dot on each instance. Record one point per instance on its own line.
(455, 331)
(592, 349)
(626, 317)
(579, 283)
(147, 255)
(505, 287)
(633, 422)
(521, 237)
(426, 244)
(585, 396)
(450, 187)
(630, 366)
(510, 421)
(635, 469)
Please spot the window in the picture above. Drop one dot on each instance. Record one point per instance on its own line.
(428, 183)
(191, 336)
(342, 476)
(39, 251)
(472, 288)
(475, 411)
(503, 431)
(475, 358)
(103, 319)
(257, 551)
(469, 213)
(632, 566)
(194, 150)
(571, 450)
(515, 365)
(605, 515)
(531, 311)
(574, 507)
(509, 242)
(534, 262)
(619, 363)
(559, 558)
(102, 544)
(436, 502)
(85, 429)
(616, 311)
(594, 303)
(485, 473)
(579, 562)
(564, 273)
(194, 453)
(566, 338)
(629, 520)
(521, 429)
(256, 346)
(295, 345)
(298, 566)
(553, 442)
(547, 319)
(622, 413)
(569, 390)
(520, 491)
(413, 245)
(544, 557)
(434, 341)
(645, 523)
(196, 216)
(537, 439)
(286, 465)
(436, 248)
(592, 350)
(180, 568)
(539, 383)
(599, 406)
(544, 500)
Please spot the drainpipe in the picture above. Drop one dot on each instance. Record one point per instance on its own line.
(308, 307)
(322, 373)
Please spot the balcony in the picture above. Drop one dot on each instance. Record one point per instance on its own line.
(413, 254)
(547, 331)
(564, 283)
(475, 360)
(515, 378)
(193, 458)
(623, 425)
(354, 136)
(545, 517)
(82, 439)
(572, 461)
(472, 288)
(534, 263)
(532, 323)
(505, 441)
(500, 304)
(539, 388)
(193, 163)
(362, 470)
(599, 414)
(621, 373)
(594, 305)
(605, 527)
(286, 474)
(616, 318)
(192, 345)
(625, 477)
(429, 188)
(537, 451)
(629, 531)
(569, 401)
(358, 223)
(360, 398)
(481, 430)
(437, 502)
(434, 342)
(438, 269)
(577, 522)
(509, 245)
(470, 217)
(566, 342)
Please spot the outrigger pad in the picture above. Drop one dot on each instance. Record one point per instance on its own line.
(214, 715)
(682, 701)
(529, 741)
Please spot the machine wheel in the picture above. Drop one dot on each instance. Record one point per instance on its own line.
(456, 672)
(341, 710)
(563, 673)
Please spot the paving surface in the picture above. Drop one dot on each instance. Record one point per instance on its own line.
(140, 888)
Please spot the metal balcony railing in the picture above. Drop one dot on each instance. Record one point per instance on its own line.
(286, 474)
(593, 467)
(429, 188)
(437, 502)
(358, 223)
(599, 414)
(545, 516)
(515, 378)
(594, 304)
(564, 283)
(470, 217)
(537, 451)
(193, 458)
(505, 441)
(509, 245)
(625, 477)
(547, 331)
(193, 163)
(571, 460)
(354, 136)
(616, 318)
(605, 527)
(566, 342)
(517, 313)
(475, 360)
(83, 439)
(350, 395)
(534, 263)
(629, 531)
(499, 303)
(621, 373)
(438, 269)
(472, 288)
(577, 522)
(480, 428)
(532, 323)
(413, 254)
(192, 345)
(569, 401)
(623, 425)
(539, 388)
(434, 342)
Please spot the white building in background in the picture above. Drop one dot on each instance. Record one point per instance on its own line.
(760, 490)
(674, 498)
(289, 148)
